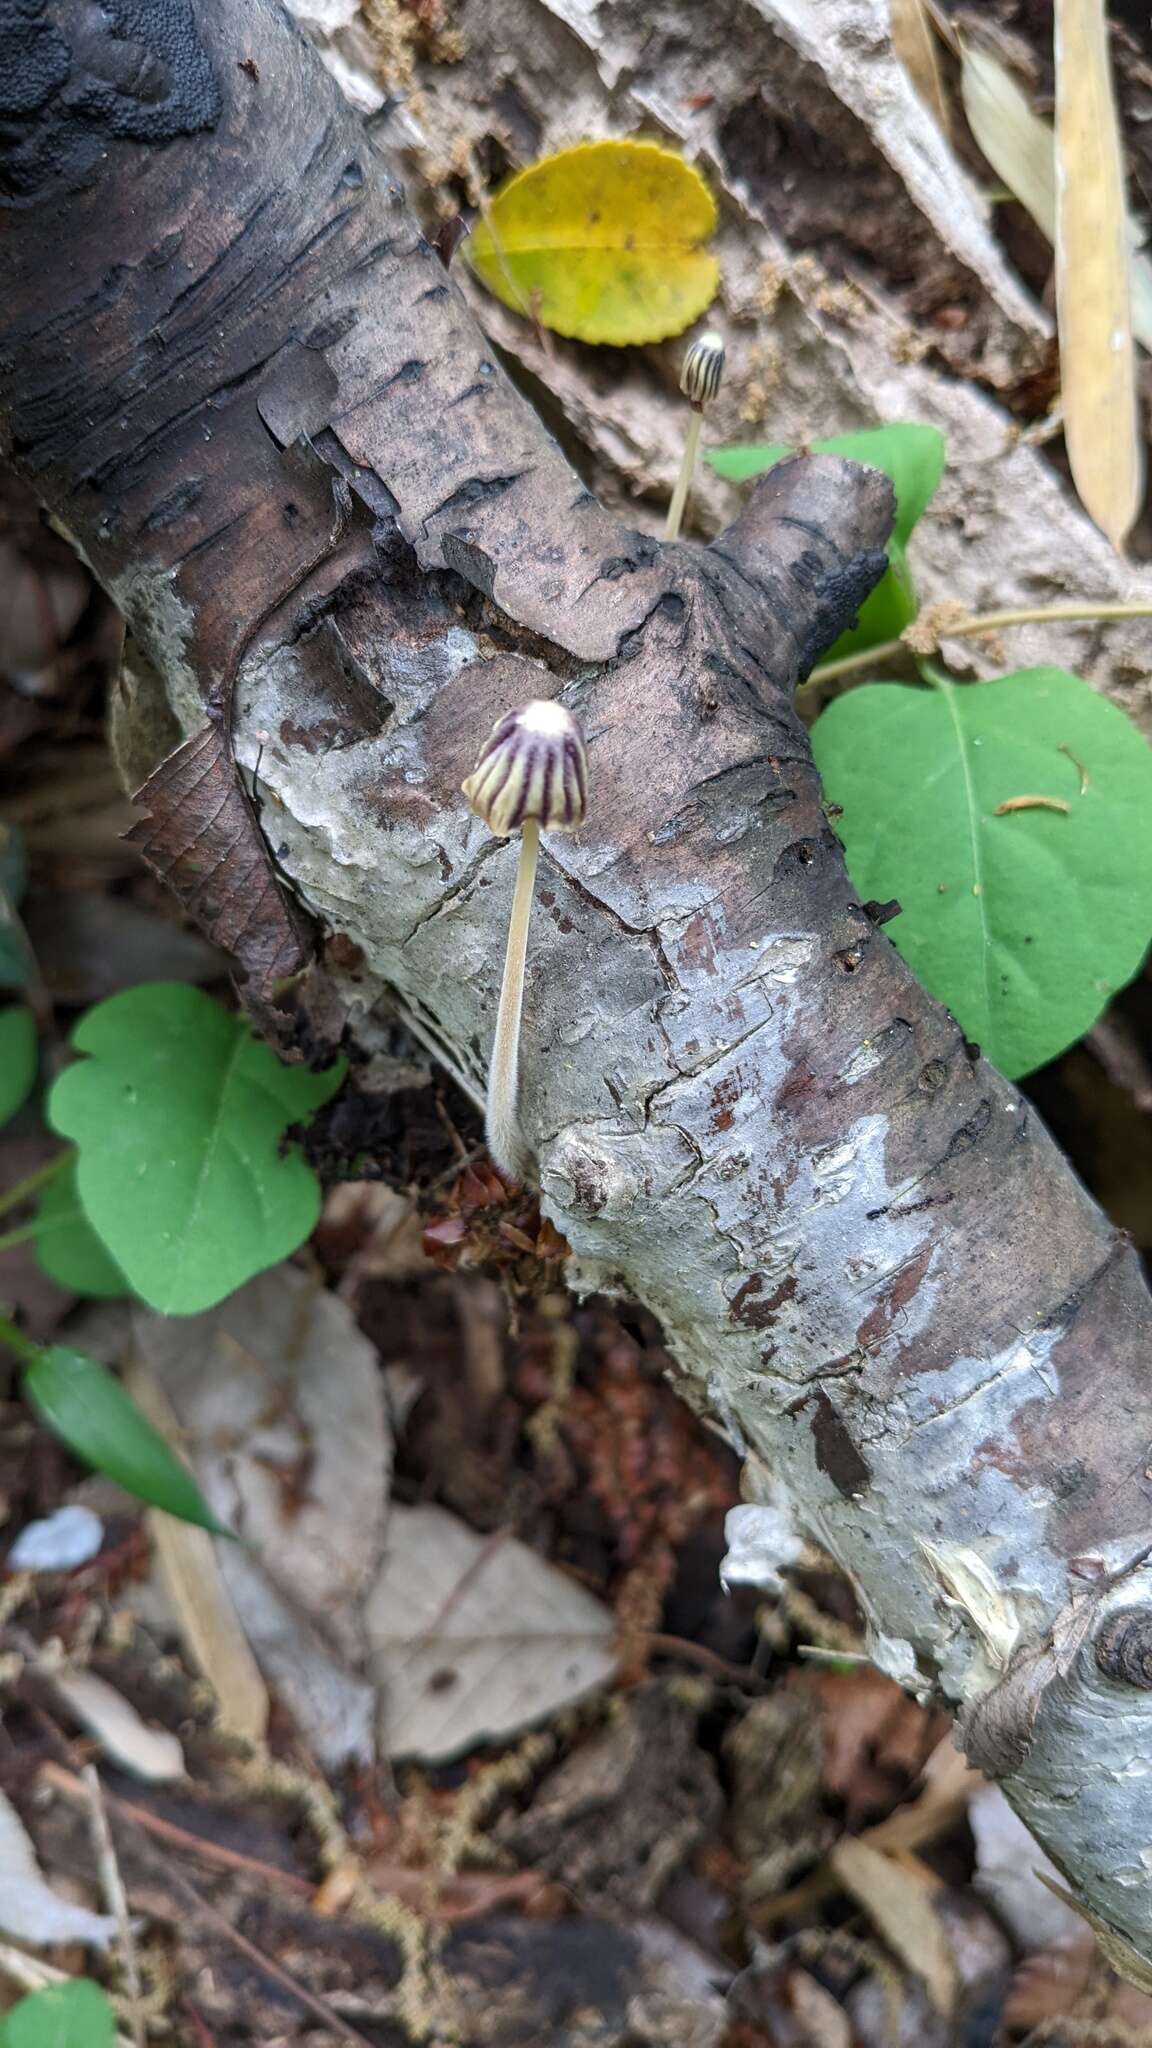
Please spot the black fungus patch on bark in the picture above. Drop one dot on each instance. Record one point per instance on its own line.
(133, 70)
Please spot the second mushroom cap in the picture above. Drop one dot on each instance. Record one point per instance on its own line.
(531, 766)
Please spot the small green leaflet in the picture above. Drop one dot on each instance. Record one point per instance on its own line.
(75, 2014)
(1024, 923)
(18, 1059)
(86, 1405)
(179, 1117)
(67, 1247)
(913, 456)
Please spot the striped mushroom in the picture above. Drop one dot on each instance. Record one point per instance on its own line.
(700, 376)
(532, 776)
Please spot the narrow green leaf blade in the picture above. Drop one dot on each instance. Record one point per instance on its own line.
(18, 1059)
(179, 1117)
(15, 960)
(67, 1247)
(86, 1405)
(1024, 921)
(75, 2014)
(910, 453)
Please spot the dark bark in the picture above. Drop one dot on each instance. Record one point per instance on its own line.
(868, 1254)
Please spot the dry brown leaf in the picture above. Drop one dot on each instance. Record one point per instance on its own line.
(203, 1607)
(876, 1739)
(1093, 297)
(949, 1783)
(915, 46)
(899, 1905)
(1047, 1986)
(1116, 1950)
(334, 1709)
(279, 1394)
(474, 1638)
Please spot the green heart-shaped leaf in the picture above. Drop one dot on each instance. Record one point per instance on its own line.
(1023, 916)
(179, 1117)
(67, 1247)
(911, 454)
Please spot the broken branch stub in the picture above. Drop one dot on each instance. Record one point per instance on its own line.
(869, 1257)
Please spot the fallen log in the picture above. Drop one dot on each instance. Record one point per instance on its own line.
(243, 384)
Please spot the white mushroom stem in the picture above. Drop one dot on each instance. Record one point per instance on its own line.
(684, 480)
(506, 1141)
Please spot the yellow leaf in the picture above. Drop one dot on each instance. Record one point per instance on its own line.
(1093, 298)
(602, 243)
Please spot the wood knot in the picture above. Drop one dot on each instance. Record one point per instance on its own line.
(1124, 1647)
(589, 1180)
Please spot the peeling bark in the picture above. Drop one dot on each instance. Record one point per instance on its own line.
(862, 282)
(869, 1257)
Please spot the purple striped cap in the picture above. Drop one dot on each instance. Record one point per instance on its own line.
(532, 765)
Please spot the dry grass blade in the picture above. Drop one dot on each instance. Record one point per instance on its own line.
(899, 1904)
(915, 46)
(112, 1885)
(1021, 149)
(207, 1619)
(1097, 351)
(74, 1788)
(949, 1783)
(1019, 146)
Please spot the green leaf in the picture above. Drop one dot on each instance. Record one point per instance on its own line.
(1025, 922)
(67, 1247)
(13, 864)
(911, 454)
(179, 1117)
(86, 1405)
(603, 241)
(75, 2014)
(19, 1059)
(14, 957)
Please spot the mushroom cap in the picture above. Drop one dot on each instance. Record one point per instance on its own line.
(702, 369)
(532, 765)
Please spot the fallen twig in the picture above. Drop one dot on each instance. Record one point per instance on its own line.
(112, 1885)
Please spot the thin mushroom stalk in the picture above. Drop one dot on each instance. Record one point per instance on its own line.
(700, 377)
(532, 776)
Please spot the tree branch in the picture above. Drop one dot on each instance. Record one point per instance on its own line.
(868, 1255)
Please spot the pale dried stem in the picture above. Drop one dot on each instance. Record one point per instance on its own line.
(502, 1121)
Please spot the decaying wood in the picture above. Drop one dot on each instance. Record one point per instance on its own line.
(869, 1257)
(862, 282)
